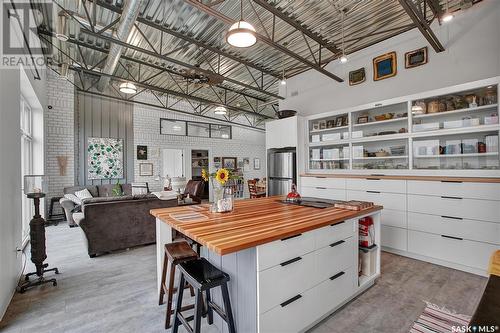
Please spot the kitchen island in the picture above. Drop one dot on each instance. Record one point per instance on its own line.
(290, 265)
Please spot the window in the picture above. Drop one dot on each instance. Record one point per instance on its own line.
(173, 127)
(26, 165)
(198, 129)
(194, 128)
(220, 131)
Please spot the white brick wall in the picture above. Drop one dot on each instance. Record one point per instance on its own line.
(59, 133)
(245, 142)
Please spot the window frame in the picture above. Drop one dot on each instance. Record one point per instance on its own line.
(186, 132)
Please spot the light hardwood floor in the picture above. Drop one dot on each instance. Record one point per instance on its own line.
(117, 293)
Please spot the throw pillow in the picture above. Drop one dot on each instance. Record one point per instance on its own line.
(83, 194)
(139, 188)
(73, 198)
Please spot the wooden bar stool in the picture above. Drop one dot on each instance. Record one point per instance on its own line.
(175, 254)
(203, 276)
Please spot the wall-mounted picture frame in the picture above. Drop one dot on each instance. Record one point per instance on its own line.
(357, 76)
(385, 66)
(416, 58)
(142, 152)
(230, 163)
(339, 121)
(315, 126)
(345, 120)
(145, 169)
(362, 119)
(256, 163)
(330, 123)
(322, 124)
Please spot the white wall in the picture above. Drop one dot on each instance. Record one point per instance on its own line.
(245, 142)
(472, 53)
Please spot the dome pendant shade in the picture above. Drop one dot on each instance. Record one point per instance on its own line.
(128, 88)
(220, 110)
(241, 34)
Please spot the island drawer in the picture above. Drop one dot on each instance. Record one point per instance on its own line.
(331, 259)
(335, 232)
(281, 282)
(323, 193)
(335, 290)
(393, 218)
(276, 252)
(338, 183)
(394, 238)
(484, 210)
(376, 184)
(485, 191)
(394, 201)
(444, 247)
(481, 231)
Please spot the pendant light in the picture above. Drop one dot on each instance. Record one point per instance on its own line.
(62, 27)
(128, 88)
(220, 110)
(241, 33)
(447, 16)
(283, 80)
(343, 58)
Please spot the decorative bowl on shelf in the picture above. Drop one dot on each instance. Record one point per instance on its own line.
(385, 116)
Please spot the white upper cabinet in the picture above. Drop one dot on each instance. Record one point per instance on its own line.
(282, 133)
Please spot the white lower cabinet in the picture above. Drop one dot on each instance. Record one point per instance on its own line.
(394, 237)
(323, 193)
(335, 290)
(394, 218)
(335, 257)
(395, 201)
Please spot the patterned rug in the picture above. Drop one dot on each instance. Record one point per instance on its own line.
(436, 319)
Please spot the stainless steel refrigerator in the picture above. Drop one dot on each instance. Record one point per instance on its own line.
(281, 170)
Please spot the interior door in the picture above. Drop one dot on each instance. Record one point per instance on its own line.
(172, 162)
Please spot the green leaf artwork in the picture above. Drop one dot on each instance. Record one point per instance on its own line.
(104, 158)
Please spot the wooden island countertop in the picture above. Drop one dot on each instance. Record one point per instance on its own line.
(253, 222)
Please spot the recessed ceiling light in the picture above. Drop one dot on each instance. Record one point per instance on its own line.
(220, 110)
(128, 88)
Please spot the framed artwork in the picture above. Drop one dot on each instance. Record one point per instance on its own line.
(416, 58)
(357, 76)
(104, 158)
(216, 159)
(145, 169)
(229, 163)
(315, 126)
(345, 120)
(339, 121)
(330, 123)
(362, 119)
(246, 163)
(142, 152)
(385, 66)
(256, 163)
(322, 124)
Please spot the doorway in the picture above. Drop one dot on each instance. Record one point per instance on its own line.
(199, 161)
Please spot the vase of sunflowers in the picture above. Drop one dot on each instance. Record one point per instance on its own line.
(223, 196)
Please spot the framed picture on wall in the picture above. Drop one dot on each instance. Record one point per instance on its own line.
(145, 169)
(357, 76)
(416, 58)
(142, 152)
(230, 163)
(256, 163)
(385, 66)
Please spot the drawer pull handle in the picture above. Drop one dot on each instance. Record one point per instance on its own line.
(320, 177)
(320, 188)
(372, 191)
(447, 197)
(334, 224)
(451, 217)
(291, 261)
(290, 237)
(291, 300)
(337, 276)
(452, 181)
(372, 178)
(451, 237)
(337, 243)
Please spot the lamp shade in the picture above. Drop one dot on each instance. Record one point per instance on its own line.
(241, 34)
(128, 88)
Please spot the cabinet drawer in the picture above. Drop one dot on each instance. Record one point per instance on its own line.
(486, 191)
(463, 252)
(333, 233)
(338, 183)
(375, 184)
(395, 201)
(395, 238)
(462, 228)
(323, 193)
(285, 280)
(393, 218)
(276, 252)
(334, 258)
(335, 290)
(485, 210)
(291, 316)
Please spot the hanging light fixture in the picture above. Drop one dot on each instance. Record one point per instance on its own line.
(447, 16)
(343, 58)
(241, 33)
(220, 110)
(283, 80)
(62, 27)
(128, 88)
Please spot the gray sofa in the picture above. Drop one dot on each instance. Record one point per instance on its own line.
(115, 222)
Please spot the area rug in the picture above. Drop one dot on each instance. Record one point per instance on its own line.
(437, 319)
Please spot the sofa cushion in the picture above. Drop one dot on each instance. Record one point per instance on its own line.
(127, 189)
(83, 194)
(92, 189)
(107, 190)
(73, 198)
(107, 199)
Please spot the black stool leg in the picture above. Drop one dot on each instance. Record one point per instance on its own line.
(210, 311)
(227, 308)
(198, 311)
(178, 306)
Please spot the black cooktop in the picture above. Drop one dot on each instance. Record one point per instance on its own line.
(314, 202)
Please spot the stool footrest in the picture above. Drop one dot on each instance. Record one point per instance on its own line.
(218, 309)
(184, 322)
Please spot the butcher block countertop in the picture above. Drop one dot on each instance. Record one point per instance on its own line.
(406, 177)
(252, 222)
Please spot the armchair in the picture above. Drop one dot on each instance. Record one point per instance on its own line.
(194, 188)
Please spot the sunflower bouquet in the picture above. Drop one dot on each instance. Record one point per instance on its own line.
(222, 193)
(222, 176)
